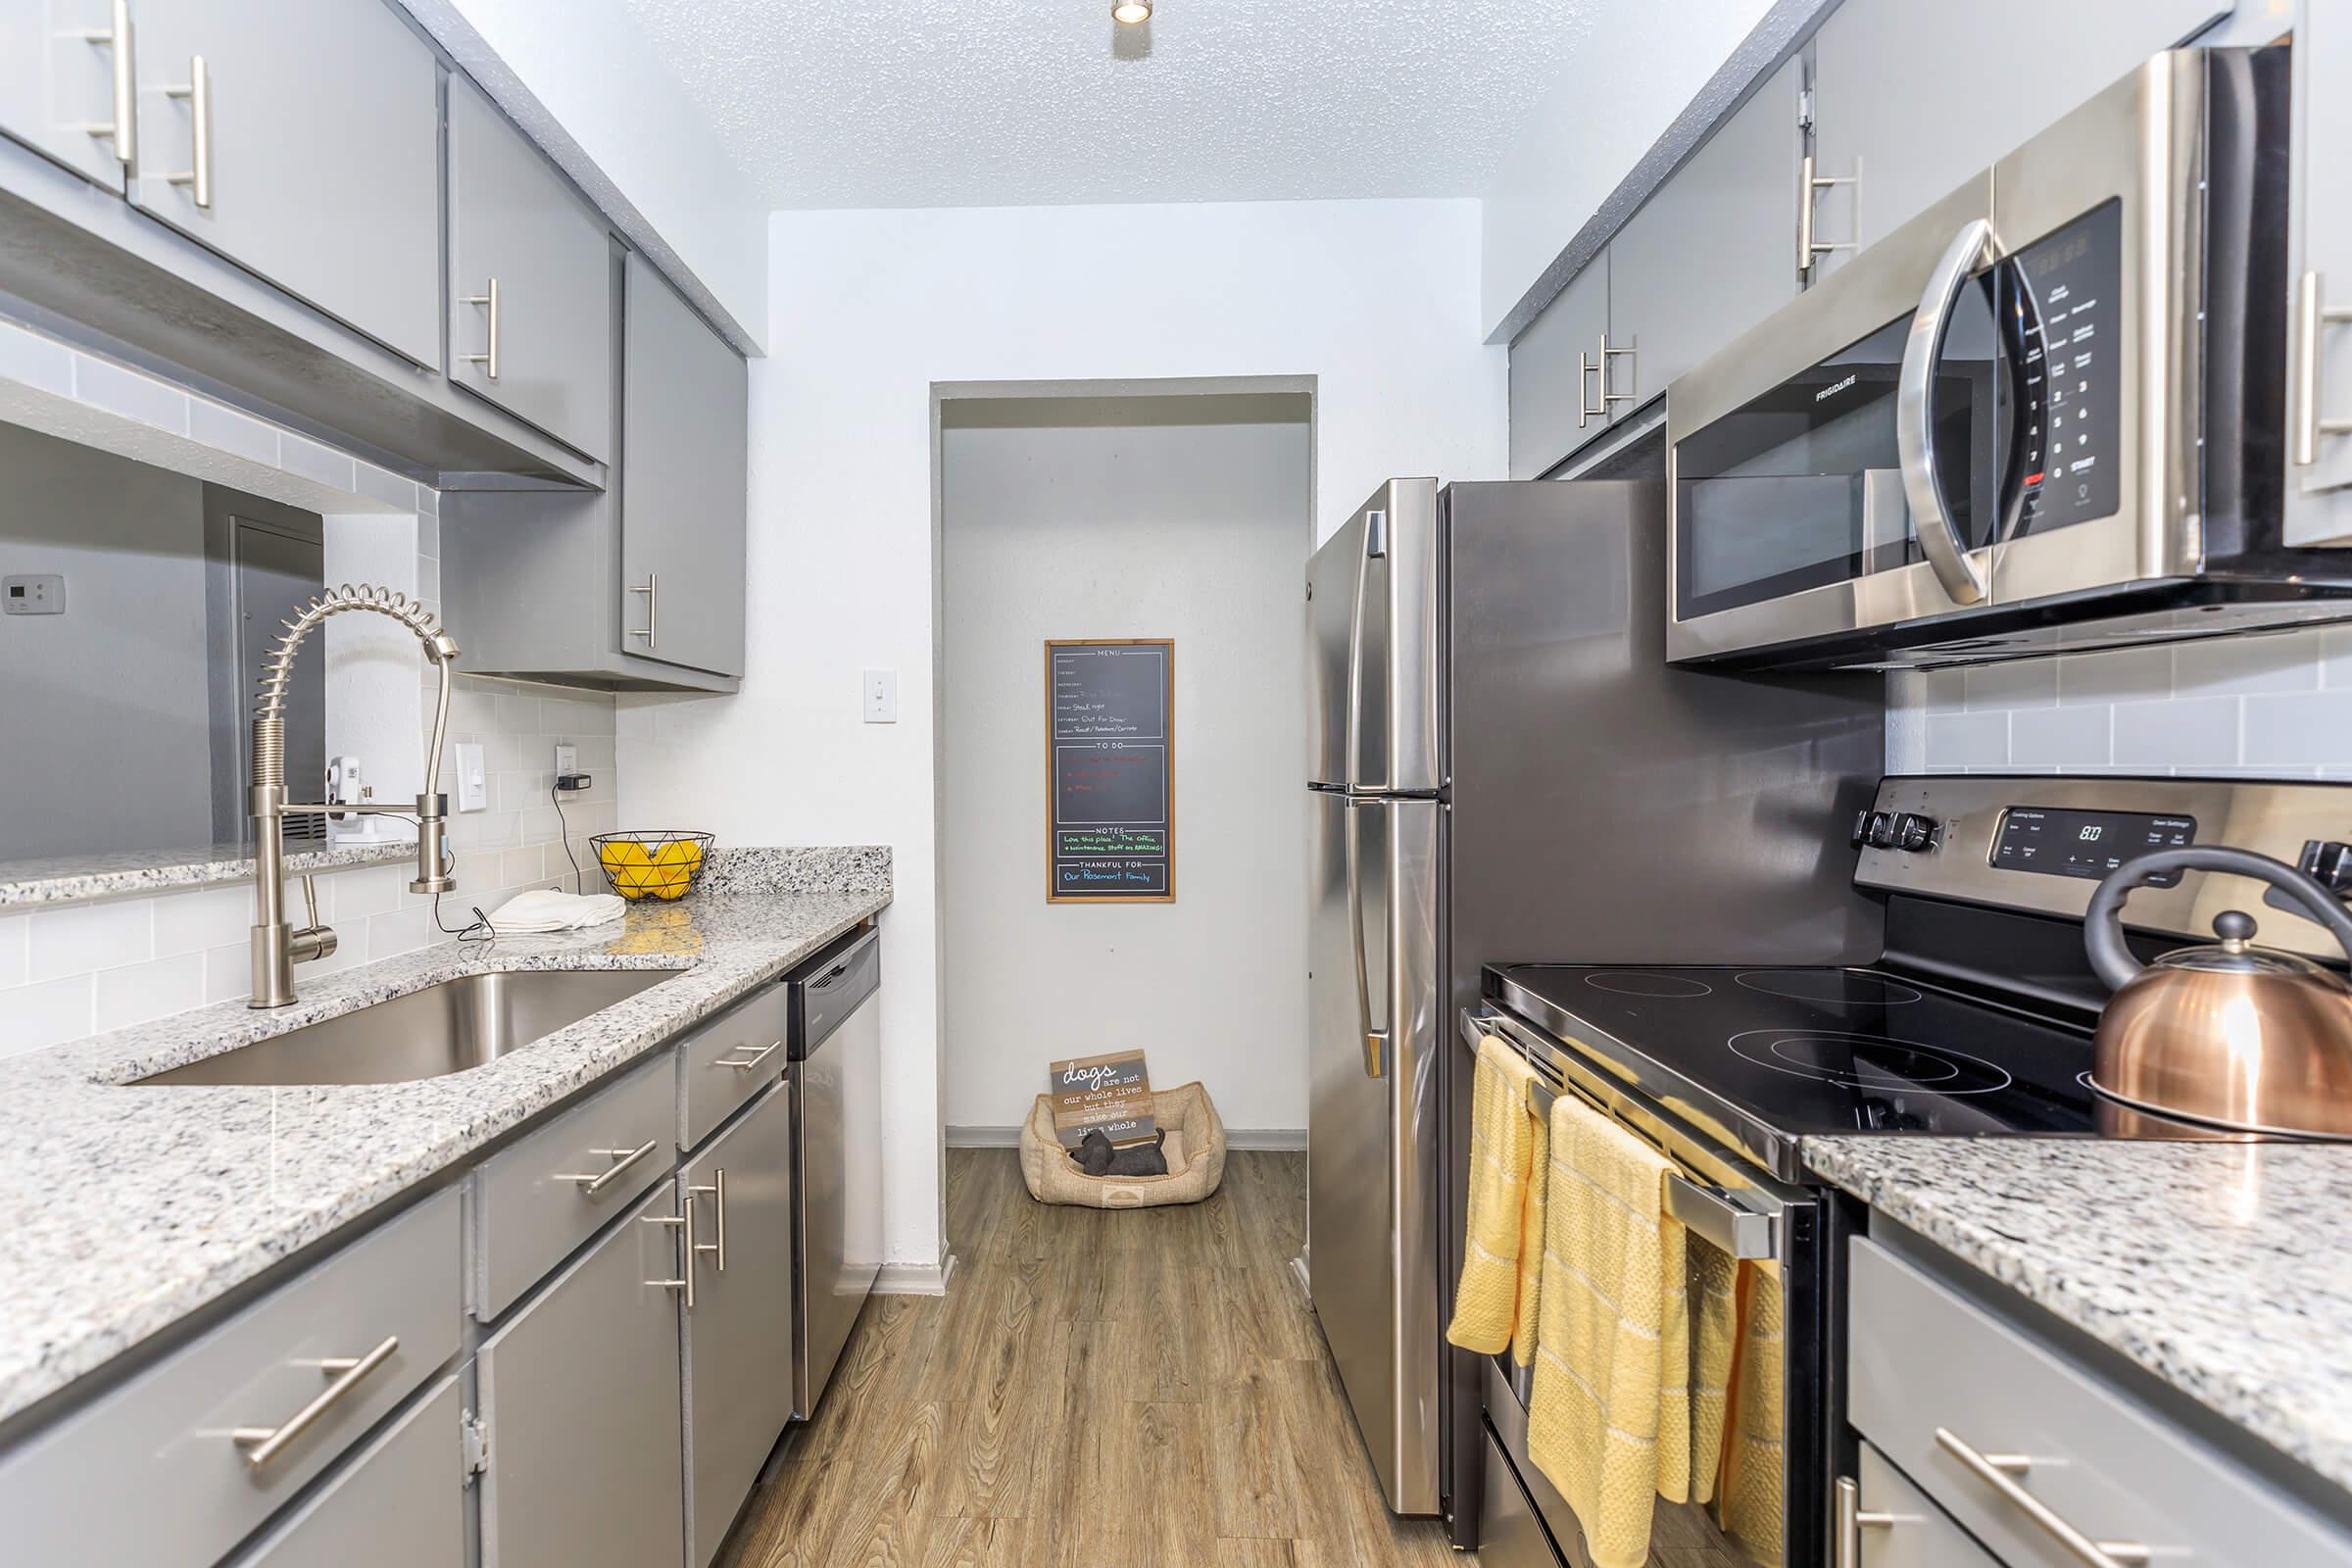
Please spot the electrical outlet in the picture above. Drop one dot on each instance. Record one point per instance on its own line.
(567, 759)
(881, 697)
(473, 783)
(42, 594)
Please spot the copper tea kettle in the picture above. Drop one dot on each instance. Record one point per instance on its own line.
(2231, 1036)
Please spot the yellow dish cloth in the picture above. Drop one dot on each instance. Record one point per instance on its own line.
(1609, 1416)
(1752, 1509)
(1493, 1304)
(1715, 1338)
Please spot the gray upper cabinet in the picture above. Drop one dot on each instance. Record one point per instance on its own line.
(738, 1353)
(1910, 98)
(580, 1390)
(683, 475)
(1714, 251)
(1554, 405)
(2319, 489)
(300, 138)
(530, 281)
(60, 88)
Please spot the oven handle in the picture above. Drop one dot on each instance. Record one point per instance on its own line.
(1914, 412)
(1708, 1211)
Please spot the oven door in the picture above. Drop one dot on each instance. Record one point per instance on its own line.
(1759, 1487)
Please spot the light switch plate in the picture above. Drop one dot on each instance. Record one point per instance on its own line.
(881, 697)
(41, 594)
(473, 784)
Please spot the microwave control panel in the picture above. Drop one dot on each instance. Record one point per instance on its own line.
(2069, 299)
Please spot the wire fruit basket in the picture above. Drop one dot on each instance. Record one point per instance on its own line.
(650, 865)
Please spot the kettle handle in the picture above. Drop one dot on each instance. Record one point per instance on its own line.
(2103, 925)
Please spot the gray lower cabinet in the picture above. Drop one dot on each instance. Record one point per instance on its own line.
(1896, 1526)
(57, 82)
(1714, 251)
(300, 138)
(684, 472)
(530, 281)
(2319, 487)
(1555, 405)
(399, 1504)
(582, 1397)
(198, 1443)
(738, 1340)
(1911, 98)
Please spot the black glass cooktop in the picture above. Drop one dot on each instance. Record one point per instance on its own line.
(1798, 1052)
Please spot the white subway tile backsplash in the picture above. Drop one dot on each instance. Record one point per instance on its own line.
(2236, 666)
(36, 361)
(2182, 732)
(299, 454)
(2307, 730)
(207, 918)
(2016, 683)
(145, 991)
(134, 396)
(234, 432)
(1957, 742)
(2062, 737)
(381, 484)
(46, 1014)
(81, 937)
(227, 972)
(2126, 674)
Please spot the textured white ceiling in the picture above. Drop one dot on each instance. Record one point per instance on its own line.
(860, 103)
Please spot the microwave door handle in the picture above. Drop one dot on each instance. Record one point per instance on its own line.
(1915, 413)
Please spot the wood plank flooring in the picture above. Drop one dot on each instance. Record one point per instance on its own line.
(1137, 1389)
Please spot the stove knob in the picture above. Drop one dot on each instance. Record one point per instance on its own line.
(1914, 833)
(1881, 831)
(1862, 827)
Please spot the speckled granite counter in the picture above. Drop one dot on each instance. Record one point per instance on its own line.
(2221, 1270)
(77, 878)
(125, 1209)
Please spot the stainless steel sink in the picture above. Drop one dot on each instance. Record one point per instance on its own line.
(443, 1028)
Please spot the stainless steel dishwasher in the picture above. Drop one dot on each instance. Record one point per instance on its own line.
(836, 1085)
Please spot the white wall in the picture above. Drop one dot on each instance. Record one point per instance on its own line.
(583, 78)
(1194, 532)
(2271, 707)
(1377, 300)
(1617, 94)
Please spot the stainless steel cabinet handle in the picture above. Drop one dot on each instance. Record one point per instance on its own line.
(123, 130)
(684, 1283)
(622, 1159)
(1846, 1540)
(1587, 370)
(489, 358)
(717, 1189)
(652, 589)
(198, 176)
(2311, 316)
(1915, 413)
(751, 1061)
(2000, 1472)
(1808, 186)
(264, 1444)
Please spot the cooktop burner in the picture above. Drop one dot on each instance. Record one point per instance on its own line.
(1774, 1054)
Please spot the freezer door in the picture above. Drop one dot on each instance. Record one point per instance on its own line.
(1372, 1126)
(1373, 614)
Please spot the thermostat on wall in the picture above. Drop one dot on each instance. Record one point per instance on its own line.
(42, 594)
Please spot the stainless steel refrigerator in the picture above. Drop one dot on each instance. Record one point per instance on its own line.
(1507, 769)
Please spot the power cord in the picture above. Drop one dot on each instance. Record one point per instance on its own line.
(555, 798)
(479, 928)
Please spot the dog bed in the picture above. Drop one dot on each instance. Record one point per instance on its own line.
(1195, 1146)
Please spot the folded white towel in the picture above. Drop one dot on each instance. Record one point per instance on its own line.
(542, 910)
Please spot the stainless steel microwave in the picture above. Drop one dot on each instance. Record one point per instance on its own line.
(2047, 413)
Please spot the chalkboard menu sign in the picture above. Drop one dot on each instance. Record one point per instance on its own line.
(1111, 812)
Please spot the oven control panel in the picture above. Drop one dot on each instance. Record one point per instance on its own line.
(2068, 287)
(2041, 844)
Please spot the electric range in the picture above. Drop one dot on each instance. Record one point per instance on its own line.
(1974, 1020)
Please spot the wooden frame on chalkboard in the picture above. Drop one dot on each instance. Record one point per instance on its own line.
(1167, 647)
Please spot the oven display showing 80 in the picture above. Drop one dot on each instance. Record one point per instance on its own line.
(2085, 843)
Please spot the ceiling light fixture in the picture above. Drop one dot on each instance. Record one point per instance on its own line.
(1131, 13)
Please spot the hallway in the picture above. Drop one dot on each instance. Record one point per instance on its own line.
(1142, 1388)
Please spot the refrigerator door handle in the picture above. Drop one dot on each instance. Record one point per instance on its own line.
(1375, 1041)
(1355, 658)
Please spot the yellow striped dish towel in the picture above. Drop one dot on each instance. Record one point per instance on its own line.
(1493, 1304)
(1753, 1458)
(1714, 1338)
(1609, 1416)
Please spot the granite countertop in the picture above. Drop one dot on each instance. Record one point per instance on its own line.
(2215, 1267)
(127, 1207)
(76, 878)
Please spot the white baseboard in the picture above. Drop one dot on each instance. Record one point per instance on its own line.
(1273, 1140)
(916, 1279)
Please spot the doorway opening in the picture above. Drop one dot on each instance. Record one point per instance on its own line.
(1116, 512)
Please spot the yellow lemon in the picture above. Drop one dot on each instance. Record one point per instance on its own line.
(679, 851)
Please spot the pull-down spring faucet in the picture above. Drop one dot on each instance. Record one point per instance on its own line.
(276, 946)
